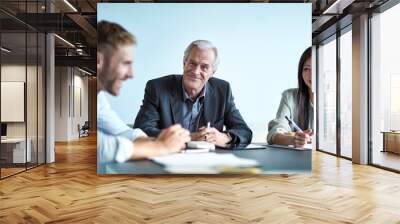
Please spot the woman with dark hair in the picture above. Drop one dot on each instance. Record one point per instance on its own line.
(296, 104)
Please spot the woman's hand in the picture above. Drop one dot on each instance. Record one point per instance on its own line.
(302, 138)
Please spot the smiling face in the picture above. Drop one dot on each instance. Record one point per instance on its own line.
(197, 69)
(306, 73)
(114, 67)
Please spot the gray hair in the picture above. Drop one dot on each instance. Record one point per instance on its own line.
(202, 44)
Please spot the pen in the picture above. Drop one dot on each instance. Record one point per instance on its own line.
(208, 126)
(291, 122)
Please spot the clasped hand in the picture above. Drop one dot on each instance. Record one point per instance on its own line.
(211, 135)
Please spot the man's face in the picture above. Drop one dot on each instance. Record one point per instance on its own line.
(116, 68)
(198, 68)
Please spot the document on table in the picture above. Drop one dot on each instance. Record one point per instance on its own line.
(203, 161)
(306, 147)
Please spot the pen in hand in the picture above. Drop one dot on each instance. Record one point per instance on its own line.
(208, 126)
(300, 138)
(291, 122)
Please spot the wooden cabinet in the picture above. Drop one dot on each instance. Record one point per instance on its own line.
(391, 141)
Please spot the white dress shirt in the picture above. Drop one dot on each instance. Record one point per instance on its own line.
(114, 137)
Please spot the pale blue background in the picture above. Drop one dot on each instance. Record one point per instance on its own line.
(259, 46)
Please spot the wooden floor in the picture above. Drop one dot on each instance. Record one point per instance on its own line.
(70, 191)
(5, 172)
(387, 159)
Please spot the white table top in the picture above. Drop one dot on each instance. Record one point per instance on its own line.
(13, 140)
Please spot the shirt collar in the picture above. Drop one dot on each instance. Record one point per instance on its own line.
(187, 97)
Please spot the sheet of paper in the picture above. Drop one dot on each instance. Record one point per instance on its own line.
(196, 150)
(200, 145)
(306, 147)
(205, 160)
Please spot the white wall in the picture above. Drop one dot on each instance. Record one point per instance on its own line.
(259, 46)
(16, 73)
(71, 102)
(33, 126)
(80, 109)
(61, 103)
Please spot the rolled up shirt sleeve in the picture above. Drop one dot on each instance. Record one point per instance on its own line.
(277, 126)
(114, 138)
(133, 134)
(114, 148)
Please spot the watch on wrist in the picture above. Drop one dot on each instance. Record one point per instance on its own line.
(230, 138)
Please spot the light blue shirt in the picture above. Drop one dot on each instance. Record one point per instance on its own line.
(114, 137)
(192, 110)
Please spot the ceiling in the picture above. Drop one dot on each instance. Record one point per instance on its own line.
(75, 21)
(76, 25)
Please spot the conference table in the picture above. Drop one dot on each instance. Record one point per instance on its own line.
(271, 160)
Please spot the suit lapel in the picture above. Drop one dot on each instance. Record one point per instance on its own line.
(210, 107)
(176, 99)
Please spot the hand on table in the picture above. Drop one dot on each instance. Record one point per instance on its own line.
(173, 139)
(211, 135)
(302, 138)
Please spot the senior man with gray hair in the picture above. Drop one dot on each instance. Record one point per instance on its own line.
(199, 102)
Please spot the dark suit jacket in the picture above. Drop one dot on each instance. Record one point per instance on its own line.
(163, 102)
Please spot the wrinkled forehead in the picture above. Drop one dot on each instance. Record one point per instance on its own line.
(206, 55)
